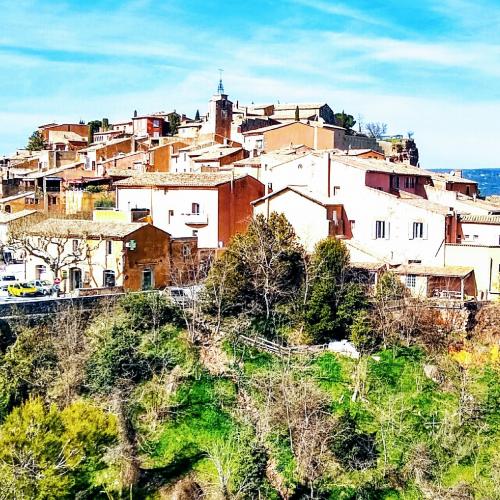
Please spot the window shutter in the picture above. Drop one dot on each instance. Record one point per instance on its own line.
(387, 230)
(410, 230)
(425, 230)
(374, 229)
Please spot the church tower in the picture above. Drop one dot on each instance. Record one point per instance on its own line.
(220, 115)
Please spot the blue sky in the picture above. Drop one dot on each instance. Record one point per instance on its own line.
(429, 66)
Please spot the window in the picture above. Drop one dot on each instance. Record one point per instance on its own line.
(156, 123)
(380, 229)
(109, 247)
(409, 182)
(186, 250)
(411, 280)
(108, 278)
(336, 190)
(147, 279)
(467, 236)
(258, 143)
(195, 232)
(195, 208)
(395, 182)
(476, 237)
(418, 230)
(75, 245)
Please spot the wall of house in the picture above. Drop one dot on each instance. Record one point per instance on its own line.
(183, 259)
(420, 288)
(178, 200)
(486, 263)
(234, 208)
(449, 199)
(371, 205)
(152, 252)
(308, 219)
(379, 180)
(92, 268)
(300, 133)
(469, 189)
(480, 234)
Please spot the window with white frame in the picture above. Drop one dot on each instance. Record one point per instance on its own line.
(418, 230)
(411, 280)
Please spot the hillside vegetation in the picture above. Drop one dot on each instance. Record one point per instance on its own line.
(146, 400)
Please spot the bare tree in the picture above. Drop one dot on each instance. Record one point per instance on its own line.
(44, 240)
(376, 129)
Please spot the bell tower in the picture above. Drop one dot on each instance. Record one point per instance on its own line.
(220, 114)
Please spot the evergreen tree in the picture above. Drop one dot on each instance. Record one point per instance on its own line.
(36, 141)
(297, 114)
(94, 127)
(344, 120)
(197, 116)
(174, 123)
(333, 298)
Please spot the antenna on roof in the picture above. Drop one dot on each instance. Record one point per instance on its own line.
(220, 88)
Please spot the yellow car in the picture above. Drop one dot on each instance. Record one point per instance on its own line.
(22, 290)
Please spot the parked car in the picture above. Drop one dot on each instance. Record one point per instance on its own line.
(7, 279)
(22, 290)
(44, 287)
(4, 292)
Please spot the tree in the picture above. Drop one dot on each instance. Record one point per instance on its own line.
(197, 115)
(105, 124)
(51, 453)
(344, 120)
(261, 269)
(297, 114)
(52, 246)
(94, 127)
(332, 298)
(174, 122)
(376, 129)
(36, 142)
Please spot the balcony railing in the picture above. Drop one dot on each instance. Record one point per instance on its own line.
(196, 219)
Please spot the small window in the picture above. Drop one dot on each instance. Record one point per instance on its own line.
(195, 208)
(186, 250)
(195, 232)
(380, 229)
(476, 237)
(411, 280)
(109, 247)
(395, 182)
(156, 123)
(418, 230)
(75, 245)
(336, 190)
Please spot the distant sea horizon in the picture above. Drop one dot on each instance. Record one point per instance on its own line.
(488, 179)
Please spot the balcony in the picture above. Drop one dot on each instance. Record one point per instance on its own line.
(195, 219)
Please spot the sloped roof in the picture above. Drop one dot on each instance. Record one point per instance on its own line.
(446, 271)
(452, 178)
(52, 171)
(85, 228)
(302, 191)
(16, 196)
(373, 165)
(179, 179)
(6, 218)
(481, 219)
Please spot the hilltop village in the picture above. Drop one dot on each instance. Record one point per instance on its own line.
(129, 205)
